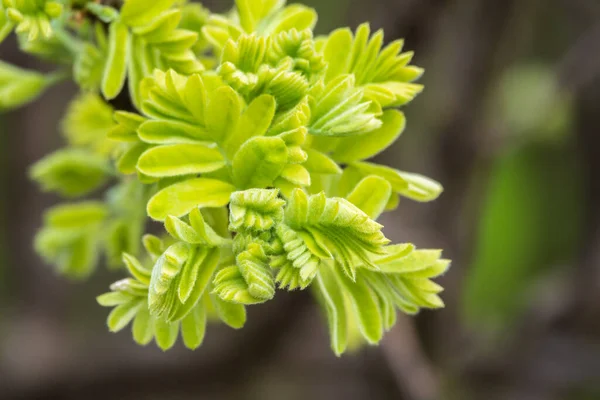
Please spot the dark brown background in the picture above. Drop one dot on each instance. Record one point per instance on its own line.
(53, 341)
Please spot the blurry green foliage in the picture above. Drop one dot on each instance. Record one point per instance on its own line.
(532, 212)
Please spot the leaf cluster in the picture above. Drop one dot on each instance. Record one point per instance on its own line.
(249, 139)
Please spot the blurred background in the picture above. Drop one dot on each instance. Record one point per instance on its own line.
(509, 123)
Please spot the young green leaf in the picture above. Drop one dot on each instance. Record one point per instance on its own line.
(19, 86)
(259, 162)
(372, 143)
(179, 159)
(116, 63)
(180, 198)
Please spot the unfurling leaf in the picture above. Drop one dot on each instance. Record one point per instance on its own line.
(255, 210)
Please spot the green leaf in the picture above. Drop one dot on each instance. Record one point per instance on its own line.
(76, 215)
(256, 210)
(336, 52)
(365, 304)
(87, 123)
(384, 75)
(300, 259)
(179, 159)
(413, 186)
(193, 327)
(372, 143)
(421, 188)
(259, 162)
(160, 27)
(172, 132)
(338, 226)
(329, 294)
(371, 195)
(116, 64)
(143, 327)
(198, 233)
(251, 12)
(179, 279)
(296, 174)
(338, 109)
(223, 113)
(320, 163)
(293, 16)
(180, 198)
(113, 299)
(300, 47)
(234, 315)
(123, 314)
(250, 281)
(19, 86)
(71, 172)
(140, 12)
(165, 333)
(127, 162)
(412, 262)
(254, 122)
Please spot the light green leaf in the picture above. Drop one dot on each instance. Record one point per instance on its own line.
(338, 109)
(384, 75)
(372, 143)
(127, 162)
(172, 132)
(87, 123)
(161, 26)
(412, 262)
(193, 327)
(179, 159)
(338, 226)
(71, 172)
(113, 299)
(365, 305)
(180, 198)
(19, 86)
(141, 12)
(294, 16)
(116, 64)
(320, 163)
(413, 186)
(142, 328)
(254, 122)
(223, 113)
(250, 281)
(296, 174)
(420, 187)
(123, 314)
(179, 279)
(255, 210)
(300, 259)
(371, 195)
(336, 52)
(165, 333)
(259, 162)
(231, 314)
(251, 12)
(329, 294)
